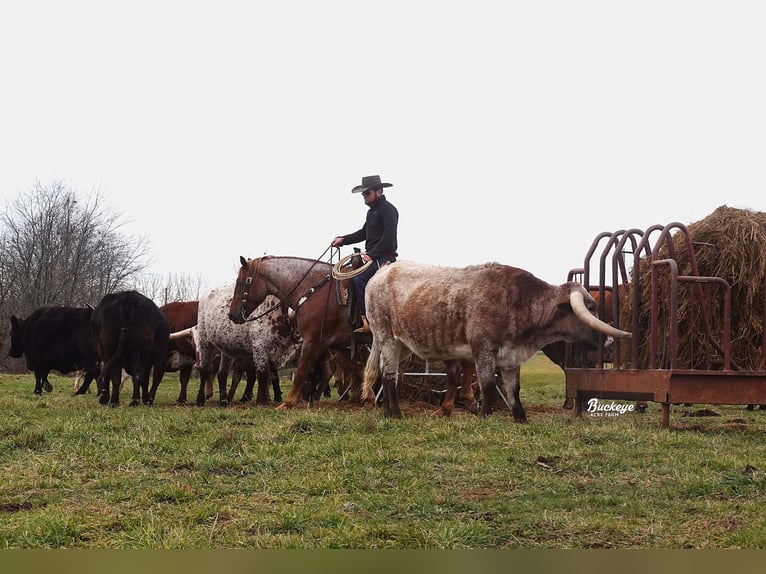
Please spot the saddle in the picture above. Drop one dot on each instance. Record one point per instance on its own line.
(346, 297)
(346, 294)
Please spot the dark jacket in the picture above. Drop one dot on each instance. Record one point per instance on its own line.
(379, 231)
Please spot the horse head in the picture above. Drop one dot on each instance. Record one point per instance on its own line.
(250, 290)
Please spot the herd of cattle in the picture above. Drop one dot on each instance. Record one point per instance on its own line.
(490, 318)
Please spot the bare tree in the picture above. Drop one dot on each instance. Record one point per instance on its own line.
(60, 249)
(174, 287)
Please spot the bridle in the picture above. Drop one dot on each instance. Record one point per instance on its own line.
(243, 302)
(251, 278)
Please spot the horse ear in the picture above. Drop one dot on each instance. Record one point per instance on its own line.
(243, 261)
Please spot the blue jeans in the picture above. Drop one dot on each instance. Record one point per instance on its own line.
(361, 280)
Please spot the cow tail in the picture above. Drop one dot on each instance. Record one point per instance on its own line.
(117, 356)
(371, 372)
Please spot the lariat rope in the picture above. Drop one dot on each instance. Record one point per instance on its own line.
(338, 274)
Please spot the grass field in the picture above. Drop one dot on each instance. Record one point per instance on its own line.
(74, 474)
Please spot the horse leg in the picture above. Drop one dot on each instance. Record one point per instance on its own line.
(236, 377)
(205, 373)
(448, 403)
(466, 388)
(309, 356)
(223, 374)
(274, 376)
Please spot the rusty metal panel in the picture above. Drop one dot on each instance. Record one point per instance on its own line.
(640, 385)
(718, 388)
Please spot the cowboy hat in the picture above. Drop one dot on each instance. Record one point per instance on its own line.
(370, 182)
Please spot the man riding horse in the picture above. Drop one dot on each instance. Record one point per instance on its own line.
(378, 233)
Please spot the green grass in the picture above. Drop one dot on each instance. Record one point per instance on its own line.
(75, 474)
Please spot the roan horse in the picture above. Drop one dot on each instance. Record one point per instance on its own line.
(307, 286)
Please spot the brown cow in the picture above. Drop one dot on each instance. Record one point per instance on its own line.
(493, 315)
(181, 353)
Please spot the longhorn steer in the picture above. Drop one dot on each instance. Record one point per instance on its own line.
(55, 338)
(493, 315)
(131, 333)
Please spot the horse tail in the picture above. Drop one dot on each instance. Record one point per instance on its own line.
(371, 372)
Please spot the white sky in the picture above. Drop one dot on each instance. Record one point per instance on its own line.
(513, 131)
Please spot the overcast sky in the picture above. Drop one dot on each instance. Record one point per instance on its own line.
(512, 131)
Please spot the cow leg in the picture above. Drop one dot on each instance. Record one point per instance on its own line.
(158, 371)
(389, 360)
(138, 382)
(184, 374)
(111, 375)
(38, 383)
(511, 385)
(88, 378)
(485, 371)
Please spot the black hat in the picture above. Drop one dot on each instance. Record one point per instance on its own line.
(370, 182)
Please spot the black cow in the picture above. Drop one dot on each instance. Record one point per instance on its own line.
(55, 338)
(131, 333)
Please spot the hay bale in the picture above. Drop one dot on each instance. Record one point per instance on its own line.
(731, 244)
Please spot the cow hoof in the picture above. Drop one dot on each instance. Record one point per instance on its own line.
(180, 403)
(47, 386)
(224, 403)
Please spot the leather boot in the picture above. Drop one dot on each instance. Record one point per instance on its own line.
(365, 328)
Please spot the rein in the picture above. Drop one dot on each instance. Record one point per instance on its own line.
(249, 280)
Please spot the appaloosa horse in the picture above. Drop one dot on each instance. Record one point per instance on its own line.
(307, 286)
(265, 344)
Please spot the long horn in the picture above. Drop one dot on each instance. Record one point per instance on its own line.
(181, 334)
(577, 300)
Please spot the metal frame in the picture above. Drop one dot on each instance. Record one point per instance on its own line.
(729, 385)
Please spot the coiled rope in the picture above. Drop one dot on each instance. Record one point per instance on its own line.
(338, 274)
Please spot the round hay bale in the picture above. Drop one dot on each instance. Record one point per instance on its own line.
(731, 244)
